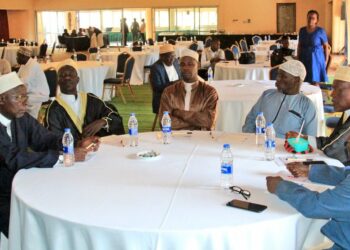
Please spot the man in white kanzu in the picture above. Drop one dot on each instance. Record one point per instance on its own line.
(190, 102)
(34, 78)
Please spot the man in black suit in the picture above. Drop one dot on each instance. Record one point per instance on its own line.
(335, 145)
(278, 55)
(164, 72)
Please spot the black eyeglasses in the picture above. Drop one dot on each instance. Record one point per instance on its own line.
(244, 193)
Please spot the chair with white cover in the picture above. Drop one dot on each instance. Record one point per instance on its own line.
(256, 40)
(236, 51)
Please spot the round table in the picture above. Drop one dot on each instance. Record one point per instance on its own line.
(229, 70)
(91, 74)
(265, 45)
(237, 97)
(116, 201)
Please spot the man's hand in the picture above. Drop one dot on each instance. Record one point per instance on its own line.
(91, 143)
(298, 169)
(293, 134)
(272, 182)
(80, 154)
(94, 127)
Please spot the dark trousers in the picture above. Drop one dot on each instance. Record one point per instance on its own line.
(143, 37)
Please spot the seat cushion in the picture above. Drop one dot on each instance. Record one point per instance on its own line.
(113, 81)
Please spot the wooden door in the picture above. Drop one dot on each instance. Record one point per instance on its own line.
(286, 17)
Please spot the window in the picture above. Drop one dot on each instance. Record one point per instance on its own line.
(130, 14)
(89, 18)
(161, 19)
(50, 25)
(111, 19)
(208, 19)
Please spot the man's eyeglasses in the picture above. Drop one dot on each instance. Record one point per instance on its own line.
(244, 193)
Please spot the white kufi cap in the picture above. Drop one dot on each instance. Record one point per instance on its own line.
(190, 53)
(342, 73)
(9, 81)
(295, 68)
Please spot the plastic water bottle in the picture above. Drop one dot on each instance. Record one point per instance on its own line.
(270, 142)
(268, 55)
(226, 167)
(260, 124)
(269, 37)
(265, 38)
(75, 56)
(68, 148)
(195, 38)
(98, 56)
(210, 75)
(166, 127)
(164, 39)
(133, 130)
(191, 39)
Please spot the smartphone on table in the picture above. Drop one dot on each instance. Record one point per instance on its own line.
(254, 207)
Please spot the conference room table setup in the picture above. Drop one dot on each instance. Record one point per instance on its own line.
(237, 97)
(233, 70)
(142, 58)
(91, 74)
(180, 46)
(10, 53)
(157, 196)
(265, 45)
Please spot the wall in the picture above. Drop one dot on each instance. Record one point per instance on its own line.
(21, 24)
(261, 12)
(16, 4)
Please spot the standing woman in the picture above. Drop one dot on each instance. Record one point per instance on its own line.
(313, 49)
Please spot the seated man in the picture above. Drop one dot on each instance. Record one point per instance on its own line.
(24, 143)
(334, 145)
(84, 113)
(33, 76)
(212, 55)
(285, 106)
(332, 204)
(5, 67)
(278, 55)
(191, 103)
(164, 72)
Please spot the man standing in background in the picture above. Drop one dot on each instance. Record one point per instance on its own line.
(143, 30)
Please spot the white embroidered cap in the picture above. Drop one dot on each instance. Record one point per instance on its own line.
(9, 81)
(295, 68)
(25, 51)
(342, 73)
(190, 53)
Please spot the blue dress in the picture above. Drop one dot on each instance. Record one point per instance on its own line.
(312, 54)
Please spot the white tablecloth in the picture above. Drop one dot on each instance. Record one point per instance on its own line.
(142, 59)
(231, 71)
(115, 201)
(91, 74)
(11, 53)
(236, 98)
(265, 45)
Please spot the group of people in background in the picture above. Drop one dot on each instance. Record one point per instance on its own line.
(138, 31)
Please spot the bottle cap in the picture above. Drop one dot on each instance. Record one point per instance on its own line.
(67, 130)
(269, 124)
(132, 114)
(226, 146)
(166, 113)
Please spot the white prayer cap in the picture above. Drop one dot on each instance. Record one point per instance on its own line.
(25, 51)
(295, 68)
(190, 53)
(69, 62)
(166, 48)
(9, 81)
(342, 73)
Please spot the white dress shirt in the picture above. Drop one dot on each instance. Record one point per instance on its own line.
(7, 123)
(37, 87)
(73, 102)
(208, 54)
(188, 89)
(171, 72)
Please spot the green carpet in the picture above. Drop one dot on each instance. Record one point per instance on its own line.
(141, 106)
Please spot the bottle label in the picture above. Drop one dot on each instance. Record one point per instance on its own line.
(68, 149)
(166, 129)
(260, 130)
(133, 131)
(226, 168)
(270, 144)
